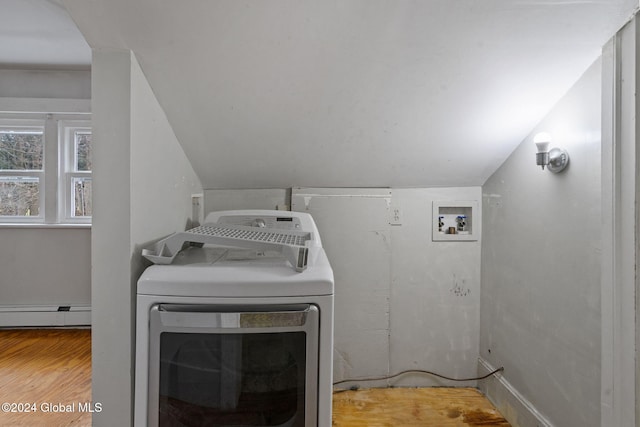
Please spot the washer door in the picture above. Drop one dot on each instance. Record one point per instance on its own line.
(233, 366)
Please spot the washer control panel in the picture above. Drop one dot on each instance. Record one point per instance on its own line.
(277, 222)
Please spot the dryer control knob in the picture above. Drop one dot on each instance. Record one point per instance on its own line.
(259, 222)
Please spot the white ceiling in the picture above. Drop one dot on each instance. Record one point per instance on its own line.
(340, 93)
(40, 34)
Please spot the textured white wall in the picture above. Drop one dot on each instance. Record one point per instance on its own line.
(541, 257)
(142, 191)
(355, 231)
(402, 301)
(435, 290)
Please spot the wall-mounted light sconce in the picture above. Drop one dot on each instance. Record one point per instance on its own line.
(556, 159)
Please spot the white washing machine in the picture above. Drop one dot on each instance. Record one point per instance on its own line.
(238, 330)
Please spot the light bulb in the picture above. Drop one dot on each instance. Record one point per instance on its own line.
(542, 141)
(543, 147)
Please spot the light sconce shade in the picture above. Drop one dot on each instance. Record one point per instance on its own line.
(555, 159)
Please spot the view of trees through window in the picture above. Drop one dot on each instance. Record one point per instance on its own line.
(20, 152)
(82, 185)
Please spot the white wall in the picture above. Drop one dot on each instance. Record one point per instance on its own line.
(620, 339)
(435, 290)
(402, 301)
(356, 235)
(541, 257)
(142, 191)
(36, 272)
(274, 198)
(71, 84)
(58, 277)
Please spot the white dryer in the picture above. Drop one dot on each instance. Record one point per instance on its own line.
(238, 330)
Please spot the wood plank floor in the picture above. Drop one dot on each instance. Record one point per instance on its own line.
(48, 370)
(40, 369)
(391, 407)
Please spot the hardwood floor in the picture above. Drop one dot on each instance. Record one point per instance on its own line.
(45, 377)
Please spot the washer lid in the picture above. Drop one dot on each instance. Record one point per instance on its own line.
(292, 234)
(223, 272)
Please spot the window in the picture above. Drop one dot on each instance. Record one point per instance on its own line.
(81, 206)
(45, 170)
(21, 170)
(76, 169)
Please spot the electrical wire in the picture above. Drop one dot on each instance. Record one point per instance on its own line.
(418, 371)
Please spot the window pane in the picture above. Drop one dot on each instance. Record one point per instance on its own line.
(83, 150)
(21, 150)
(81, 197)
(19, 196)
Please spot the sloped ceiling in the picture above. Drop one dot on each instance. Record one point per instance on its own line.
(338, 93)
(40, 34)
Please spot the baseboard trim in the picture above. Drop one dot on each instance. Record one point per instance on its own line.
(514, 407)
(17, 316)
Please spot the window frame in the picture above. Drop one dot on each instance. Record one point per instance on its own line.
(27, 125)
(55, 194)
(68, 172)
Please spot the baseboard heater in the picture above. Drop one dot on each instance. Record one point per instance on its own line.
(16, 316)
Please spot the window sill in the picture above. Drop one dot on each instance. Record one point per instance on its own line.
(39, 225)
